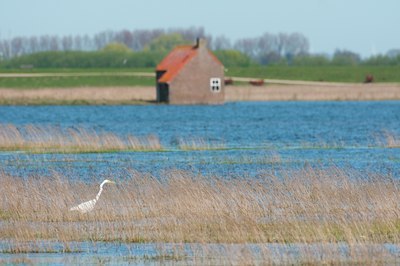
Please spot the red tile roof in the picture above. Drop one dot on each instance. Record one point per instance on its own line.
(176, 60)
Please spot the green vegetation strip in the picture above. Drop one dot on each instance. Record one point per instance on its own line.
(25, 101)
(61, 78)
(77, 70)
(106, 80)
(351, 74)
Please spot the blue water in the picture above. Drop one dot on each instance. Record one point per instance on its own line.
(106, 253)
(258, 137)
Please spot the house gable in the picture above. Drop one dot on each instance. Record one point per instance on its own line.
(190, 74)
(192, 84)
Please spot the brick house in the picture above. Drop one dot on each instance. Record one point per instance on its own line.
(190, 75)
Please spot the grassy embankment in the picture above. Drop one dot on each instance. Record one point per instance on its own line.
(75, 79)
(351, 74)
(303, 206)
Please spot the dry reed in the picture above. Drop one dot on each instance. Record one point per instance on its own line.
(306, 206)
(303, 206)
(391, 140)
(52, 139)
(33, 138)
(199, 144)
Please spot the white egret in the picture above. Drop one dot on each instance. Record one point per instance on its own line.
(89, 205)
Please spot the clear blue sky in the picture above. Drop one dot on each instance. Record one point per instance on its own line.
(363, 26)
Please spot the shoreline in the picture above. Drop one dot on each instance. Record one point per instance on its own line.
(147, 94)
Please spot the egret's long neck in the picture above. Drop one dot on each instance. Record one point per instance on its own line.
(98, 194)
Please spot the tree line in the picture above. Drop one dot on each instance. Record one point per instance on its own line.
(144, 48)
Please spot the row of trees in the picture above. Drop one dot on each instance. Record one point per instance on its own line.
(140, 40)
(136, 40)
(113, 59)
(143, 48)
(128, 59)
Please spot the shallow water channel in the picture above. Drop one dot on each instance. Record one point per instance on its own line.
(84, 253)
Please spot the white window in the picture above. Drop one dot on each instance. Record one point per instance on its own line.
(215, 85)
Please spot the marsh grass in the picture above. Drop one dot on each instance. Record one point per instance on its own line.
(48, 139)
(308, 206)
(190, 144)
(38, 139)
(271, 159)
(301, 206)
(391, 140)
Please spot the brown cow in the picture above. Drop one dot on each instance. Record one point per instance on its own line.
(259, 82)
(369, 78)
(228, 81)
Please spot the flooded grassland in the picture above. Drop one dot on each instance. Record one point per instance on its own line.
(256, 183)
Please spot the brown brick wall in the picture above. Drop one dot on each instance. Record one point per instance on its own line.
(192, 84)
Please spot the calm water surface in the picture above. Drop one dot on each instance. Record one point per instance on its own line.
(105, 253)
(257, 136)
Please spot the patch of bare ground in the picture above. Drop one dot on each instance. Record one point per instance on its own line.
(89, 95)
(312, 92)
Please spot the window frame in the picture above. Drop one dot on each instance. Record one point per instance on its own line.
(215, 85)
